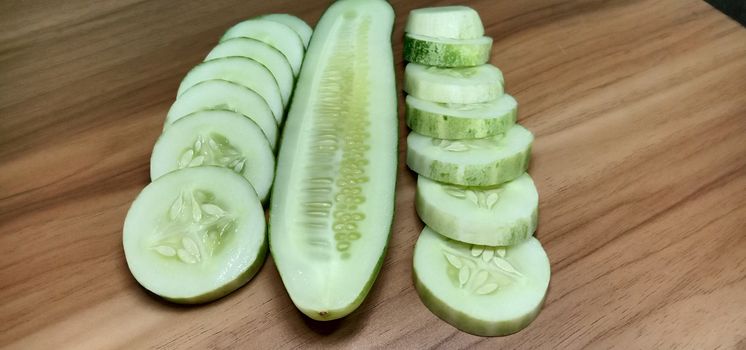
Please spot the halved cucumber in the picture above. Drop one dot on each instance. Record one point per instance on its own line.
(455, 22)
(447, 52)
(333, 198)
(240, 70)
(481, 162)
(487, 291)
(498, 215)
(221, 94)
(220, 138)
(267, 55)
(278, 35)
(453, 85)
(195, 235)
(461, 121)
(297, 24)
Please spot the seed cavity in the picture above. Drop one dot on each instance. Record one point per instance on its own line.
(480, 269)
(212, 149)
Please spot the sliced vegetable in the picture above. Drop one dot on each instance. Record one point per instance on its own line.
(454, 22)
(481, 162)
(195, 235)
(461, 121)
(267, 55)
(333, 198)
(298, 25)
(487, 291)
(277, 35)
(454, 85)
(447, 52)
(498, 215)
(221, 94)
(240, 70)
(218, 138)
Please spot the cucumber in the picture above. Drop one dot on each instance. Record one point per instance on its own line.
(486, 291)
(453, 85)
(240, 70)
(481, 162)
(220, 138)
(221, 94)
(277, 35)
(447, 52)
(498, 215)
(461, 121)
(267, 55)
(454, 22)
(300, 27)
(333, 200)
(195, 235)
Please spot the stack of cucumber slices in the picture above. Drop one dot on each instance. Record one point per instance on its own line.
(476, 263)
(198, 231)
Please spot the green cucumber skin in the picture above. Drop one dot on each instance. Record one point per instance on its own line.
(467, 323)
(447, 225)
(455, 128)
(433, 53)
(489, 174)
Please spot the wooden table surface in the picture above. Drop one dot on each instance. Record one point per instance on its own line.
(639, 112)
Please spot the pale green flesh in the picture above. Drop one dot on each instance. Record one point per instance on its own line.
(446, 52)
(298, 25)
(218, 138)
(461, 121)
(454, 22)
(277, 35)
(224, 95)
(333, 198)
(487, 291)
(453, 85)
(267, 55)
(240, 70)
(498, 215)
(480, 162)
(195, 234)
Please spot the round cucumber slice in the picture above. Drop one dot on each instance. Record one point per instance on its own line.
(455, 22)
(220, 138)
(456, 121)
(195, 235)
(498, 215)
(298, 25)
(277, 35)
(487, 291)
(240, 70)
(221, 94)
(447, 52)
(481, 162)
(267, 55)
(454, 85)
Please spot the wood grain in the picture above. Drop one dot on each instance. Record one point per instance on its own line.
(639, 112)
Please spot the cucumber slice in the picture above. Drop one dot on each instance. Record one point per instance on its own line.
(454, 22)
(481, 162)
(221, 94)
(447, 52)
(461, 121)
(498, 215)
(487, 291)
(195, 235)
(277, 35)
(454, 85)
(220, 138)
(267, 55)
(333, 200)
(240, 70)
(298, 25)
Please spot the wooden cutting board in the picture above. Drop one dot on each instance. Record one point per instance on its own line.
(639, 112)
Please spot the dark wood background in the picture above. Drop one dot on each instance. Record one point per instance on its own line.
(639, 112)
